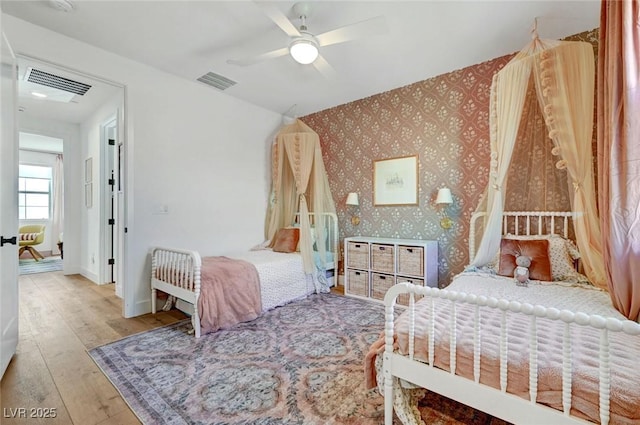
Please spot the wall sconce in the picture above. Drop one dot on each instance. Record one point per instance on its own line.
(444, 199)
(352, 199)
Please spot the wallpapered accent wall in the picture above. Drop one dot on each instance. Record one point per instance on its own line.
(445, 122)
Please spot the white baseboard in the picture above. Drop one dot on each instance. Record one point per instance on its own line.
(93, 277)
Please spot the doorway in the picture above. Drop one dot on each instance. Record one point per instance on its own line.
(86, 119)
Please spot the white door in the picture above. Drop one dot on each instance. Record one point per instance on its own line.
(8, 207)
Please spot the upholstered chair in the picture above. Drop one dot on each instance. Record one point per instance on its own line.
(31, 235)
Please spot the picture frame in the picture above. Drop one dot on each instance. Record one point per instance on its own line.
(395, 181)
(88, 195)
(88, 170)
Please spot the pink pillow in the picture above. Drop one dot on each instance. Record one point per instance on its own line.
(286, 240)
(537, 250)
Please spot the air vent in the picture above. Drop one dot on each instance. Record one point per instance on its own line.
(216, 80)
(49, 80)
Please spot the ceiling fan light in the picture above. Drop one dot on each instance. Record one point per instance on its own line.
(303, 51)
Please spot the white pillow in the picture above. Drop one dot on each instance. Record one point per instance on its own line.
(562, 254)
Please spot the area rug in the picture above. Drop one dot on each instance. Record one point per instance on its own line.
(301, 363)
(48, 264)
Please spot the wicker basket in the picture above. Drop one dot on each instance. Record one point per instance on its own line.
(411, 260)
(404, 298)
(358, 255)
(382, 258)
(380, 283)
(358, 283)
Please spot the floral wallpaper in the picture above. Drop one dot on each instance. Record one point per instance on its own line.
(445, 122)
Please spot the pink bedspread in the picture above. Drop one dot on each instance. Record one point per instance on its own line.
(625, 393)
(229, 293)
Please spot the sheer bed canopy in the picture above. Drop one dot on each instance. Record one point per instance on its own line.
(300, 185)
(558, 77)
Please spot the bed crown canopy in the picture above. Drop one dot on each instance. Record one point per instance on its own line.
(563, 73)
(299, 184)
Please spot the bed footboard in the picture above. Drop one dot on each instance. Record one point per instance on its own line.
(495, 401)
(177, 273)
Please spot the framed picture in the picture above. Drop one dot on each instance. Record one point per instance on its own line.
(88, 195)
(88, 170)
(395, 181)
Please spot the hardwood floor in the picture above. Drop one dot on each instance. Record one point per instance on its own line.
(61, 317)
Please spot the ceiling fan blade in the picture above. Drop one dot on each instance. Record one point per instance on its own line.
(279, 18)
(369, 27)
(259, 58)
(325, 68)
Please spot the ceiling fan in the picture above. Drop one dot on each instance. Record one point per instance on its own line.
(304, 47)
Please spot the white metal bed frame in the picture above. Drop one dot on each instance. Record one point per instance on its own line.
(497, 402)
(177, 271)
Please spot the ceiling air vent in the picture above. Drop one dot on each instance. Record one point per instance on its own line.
(49, 80)
(216, 80)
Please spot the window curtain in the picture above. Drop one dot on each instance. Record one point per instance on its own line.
(57, 216)
(618, 117)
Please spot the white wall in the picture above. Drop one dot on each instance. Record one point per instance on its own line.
(201, 153)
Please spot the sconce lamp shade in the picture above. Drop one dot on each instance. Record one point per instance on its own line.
(352, 199)
(444, 196)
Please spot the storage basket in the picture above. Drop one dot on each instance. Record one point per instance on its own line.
(382, 257)
(380, 283)
(358, 283)
(404, 298)
(358, 255)
(411, 260)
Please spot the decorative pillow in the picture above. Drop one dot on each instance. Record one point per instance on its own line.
(562, 254)
(537, 250)
(286, 240)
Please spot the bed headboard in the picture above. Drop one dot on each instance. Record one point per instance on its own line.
(525, 223)
(330, 222)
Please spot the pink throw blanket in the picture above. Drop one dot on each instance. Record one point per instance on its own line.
(229, 293)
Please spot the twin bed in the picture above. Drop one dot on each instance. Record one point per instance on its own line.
(224, 291)
(553, 352)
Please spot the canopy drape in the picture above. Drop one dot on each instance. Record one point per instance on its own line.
(563, 74)
(300, 184)
(619, 151)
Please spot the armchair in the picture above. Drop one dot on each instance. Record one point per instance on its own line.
(29, 236)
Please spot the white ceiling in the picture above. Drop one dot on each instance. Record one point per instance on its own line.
(423, 39)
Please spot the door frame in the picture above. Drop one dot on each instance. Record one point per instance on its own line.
(122, 214)
(109, 129)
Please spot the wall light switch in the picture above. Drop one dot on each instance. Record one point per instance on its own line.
(161, 209)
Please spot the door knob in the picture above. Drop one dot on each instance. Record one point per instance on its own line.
(4, 240)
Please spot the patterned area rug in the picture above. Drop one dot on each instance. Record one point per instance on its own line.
(48, 264)
(297, 364)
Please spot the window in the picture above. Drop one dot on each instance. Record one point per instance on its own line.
(34, 192)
